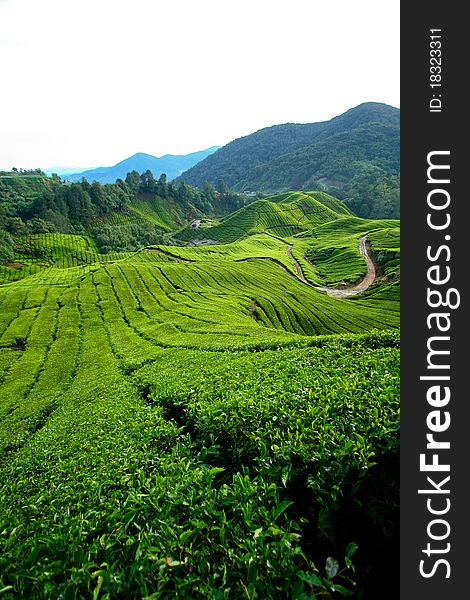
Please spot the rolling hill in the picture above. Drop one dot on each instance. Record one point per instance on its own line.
(170, 164)
(280, 215)
(199, 416)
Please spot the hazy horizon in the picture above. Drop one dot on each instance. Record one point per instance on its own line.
(64, 168)
(98, 82)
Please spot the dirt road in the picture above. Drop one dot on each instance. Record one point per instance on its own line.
(363, 284)
(347, 290)
(298, 268)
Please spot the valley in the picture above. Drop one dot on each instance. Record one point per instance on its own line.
(199, 387)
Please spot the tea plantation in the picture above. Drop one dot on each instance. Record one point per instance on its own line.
(197, 421)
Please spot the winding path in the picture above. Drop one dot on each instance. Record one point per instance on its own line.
(349, 290)
(298, 268)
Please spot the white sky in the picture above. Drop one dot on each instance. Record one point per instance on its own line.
(91, 82)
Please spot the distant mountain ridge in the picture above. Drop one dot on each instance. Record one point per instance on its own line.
(354, 156)
(64, 171)
(171, 164)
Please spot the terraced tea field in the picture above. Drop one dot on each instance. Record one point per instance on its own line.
(54, 256)
(197, 421)
(282, 215)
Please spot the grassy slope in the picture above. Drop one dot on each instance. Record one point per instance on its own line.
(282, 215)
(158, 211)
(323, 232)
(331, 251)
(53, 257)
(171, 410)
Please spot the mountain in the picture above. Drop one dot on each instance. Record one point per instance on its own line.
(171, 164)
(354, 156)
(65, 171)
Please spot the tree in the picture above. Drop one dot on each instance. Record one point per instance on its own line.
(15, 226)
(6, 247)
(209, 192)
(79, 203)
(37, 225)
(97, 197)
(147, 182)
(162, 186)
(133, 181)
(222, 187)
(172, 190)
(184, 194)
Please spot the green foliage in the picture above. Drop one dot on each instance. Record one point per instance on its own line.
(47, 204)
(6, 247)
(197, 421)
(124, 238)
(142, 209)
(282, 215)
(165, 213)
(51, 258)
(372, 197)
(331, 250)
(154, 495)
(385, 245)
(354, 156)
(133, 181)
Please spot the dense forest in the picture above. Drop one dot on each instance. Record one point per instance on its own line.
(355, 157)
(32, 203)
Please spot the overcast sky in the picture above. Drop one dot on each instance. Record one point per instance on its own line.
(91, 82)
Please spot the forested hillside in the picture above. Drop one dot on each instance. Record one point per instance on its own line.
(123, 216)
(355, 157)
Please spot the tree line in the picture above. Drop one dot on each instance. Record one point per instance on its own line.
(48, 205)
